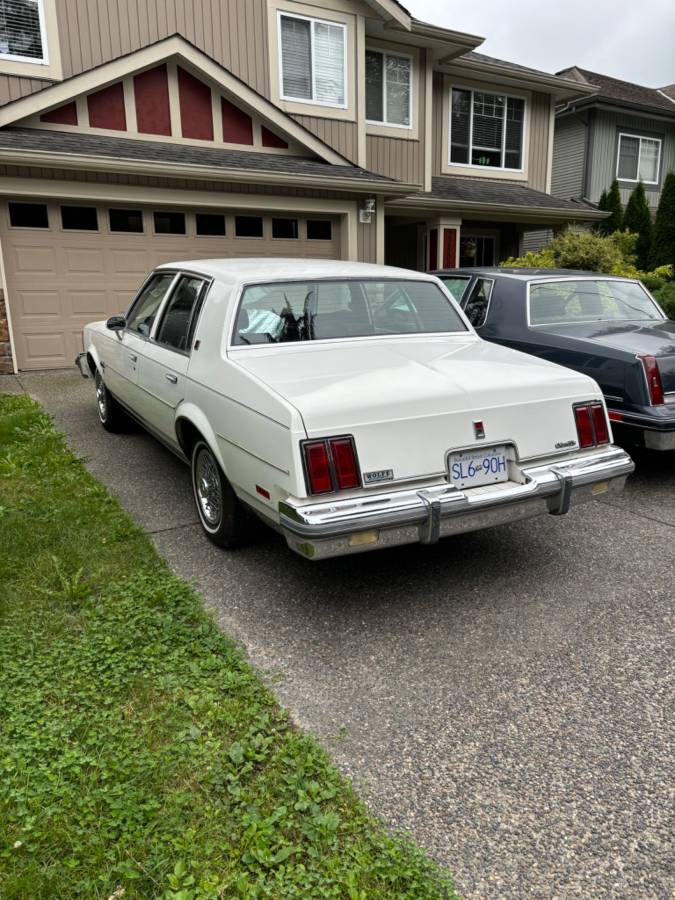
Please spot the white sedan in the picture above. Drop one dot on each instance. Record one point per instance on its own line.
(349, 406)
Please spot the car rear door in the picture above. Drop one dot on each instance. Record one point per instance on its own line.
(164, 362)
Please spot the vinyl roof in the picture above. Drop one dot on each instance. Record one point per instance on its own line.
(279, 269)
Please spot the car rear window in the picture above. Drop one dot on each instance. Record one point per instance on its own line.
(456, 284)
(286, 312)
(590, 300)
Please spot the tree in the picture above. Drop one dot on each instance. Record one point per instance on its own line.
(615, 221)
(638, 219)
(664, 226)
(602, 204)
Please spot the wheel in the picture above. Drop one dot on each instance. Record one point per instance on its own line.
(223, 517)
(110, 413)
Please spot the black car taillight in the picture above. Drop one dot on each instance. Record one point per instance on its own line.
(331, 465)
(592, 427)
(654, 383)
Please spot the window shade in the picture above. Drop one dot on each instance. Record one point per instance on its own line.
(20, 29)
(296, 56)
(329, 63)
(398, 90)
(649, 160)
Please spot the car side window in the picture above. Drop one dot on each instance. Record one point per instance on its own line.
(175, 329)
(142, 314)
(477, 303)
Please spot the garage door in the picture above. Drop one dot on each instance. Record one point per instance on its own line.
(67, 265)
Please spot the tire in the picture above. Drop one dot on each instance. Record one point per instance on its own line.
(223, 517)
(110, 414)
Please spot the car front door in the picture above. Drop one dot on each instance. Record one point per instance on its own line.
(123, 351)
(164, 361)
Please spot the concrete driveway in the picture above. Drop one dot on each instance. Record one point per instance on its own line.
(506, 696)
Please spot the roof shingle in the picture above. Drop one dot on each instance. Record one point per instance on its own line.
(502, 193)
(624, 92)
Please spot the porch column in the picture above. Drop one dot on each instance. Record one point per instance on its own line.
(443, 243)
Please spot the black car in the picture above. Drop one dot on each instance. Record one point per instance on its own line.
(607, 327)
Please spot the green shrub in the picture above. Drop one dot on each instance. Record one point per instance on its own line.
(612, 204)
(638, 219)
(665, 295)
(664, 226)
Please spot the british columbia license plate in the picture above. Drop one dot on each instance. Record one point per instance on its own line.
(472, 468)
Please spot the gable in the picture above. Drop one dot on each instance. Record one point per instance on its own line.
(169, 91)
(168, 102)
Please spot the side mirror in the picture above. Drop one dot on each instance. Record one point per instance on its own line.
(116, 323)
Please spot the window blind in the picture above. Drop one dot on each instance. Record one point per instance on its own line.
(329, 63)
(398, 90)
(20, 33)
(296, 57)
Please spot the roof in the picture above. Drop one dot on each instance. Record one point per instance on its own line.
(486, 192)
(273, 269)
(524, 274)
(625, 93)
(493, 60)
(563, 88)
(76, 144)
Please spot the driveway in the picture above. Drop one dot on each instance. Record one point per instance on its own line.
(505, 696)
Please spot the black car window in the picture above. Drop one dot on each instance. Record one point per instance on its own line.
(141, 317)
(477, 303)
(456, 284)
(180, 313)
(567, 302)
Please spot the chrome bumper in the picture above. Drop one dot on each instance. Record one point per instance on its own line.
(377, 520)
(82, 365)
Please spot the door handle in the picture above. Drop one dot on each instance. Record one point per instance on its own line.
(172, 378)
(133, 357)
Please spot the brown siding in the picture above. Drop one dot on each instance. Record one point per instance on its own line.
(366, 242)
(341, 136)
(91, 32)
(540, 109)
(437, 124)
(396, 158)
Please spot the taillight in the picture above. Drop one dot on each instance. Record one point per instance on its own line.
(331, 465)
(592, 427)
(653, 376)
(584, 426)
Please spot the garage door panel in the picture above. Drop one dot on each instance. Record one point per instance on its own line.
(58, 280)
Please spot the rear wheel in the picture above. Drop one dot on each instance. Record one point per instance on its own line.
(110, 413)
(223, 517)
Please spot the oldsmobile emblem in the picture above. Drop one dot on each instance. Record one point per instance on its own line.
(562, 444)
(379, 475)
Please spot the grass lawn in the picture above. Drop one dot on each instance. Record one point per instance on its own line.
(140, 754)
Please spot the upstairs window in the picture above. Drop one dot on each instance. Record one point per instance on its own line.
(22, 31)
(486, 129)
(639, 158)
(388, 79)
(313, 60)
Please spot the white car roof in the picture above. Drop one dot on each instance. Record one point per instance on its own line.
(273, 269)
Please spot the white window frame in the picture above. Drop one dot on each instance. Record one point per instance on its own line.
(469, 164)
(44, 61)
(385, 123)
(640, 138)
(282, 13)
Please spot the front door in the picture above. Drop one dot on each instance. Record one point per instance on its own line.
(476, 250)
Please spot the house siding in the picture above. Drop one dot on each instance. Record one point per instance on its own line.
(604, 151)
(569, 154)
(396, 157)
(341, 136)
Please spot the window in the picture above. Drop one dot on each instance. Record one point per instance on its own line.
(639, 158)
(590, 300)
(478, 302)
(142, 314)
(28, 215)
(22, 31)
(456, 284)
(212, 224)
(180, 316)
(169, 222)
(248, 226)
(79, 218)
(288, 312)
(285, 228)
(486, 129)
(476, 250)
(313, 60)
(130, 220)
(319, 230)
(388, 78)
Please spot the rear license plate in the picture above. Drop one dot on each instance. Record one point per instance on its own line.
(472, 468)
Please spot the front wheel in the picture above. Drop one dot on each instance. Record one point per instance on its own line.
(222, 516)
(110, 413)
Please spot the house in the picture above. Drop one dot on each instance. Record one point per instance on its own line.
(621, 130)
(134, 133)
